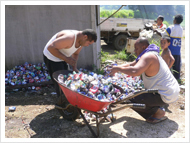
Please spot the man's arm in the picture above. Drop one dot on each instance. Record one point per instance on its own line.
(128, 64)
(63, 42)
(75, 56)
(141, 66)
(172, 60)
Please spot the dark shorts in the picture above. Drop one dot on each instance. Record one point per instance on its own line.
(152, 101)
(177, 66)
(53, 67)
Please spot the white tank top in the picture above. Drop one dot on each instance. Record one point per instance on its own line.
(66, 52)
(164, 81)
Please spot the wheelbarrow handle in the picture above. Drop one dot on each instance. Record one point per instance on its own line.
(132, 95)
(152, 90)
(137, 105)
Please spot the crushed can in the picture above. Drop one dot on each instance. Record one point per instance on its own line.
(12, 108)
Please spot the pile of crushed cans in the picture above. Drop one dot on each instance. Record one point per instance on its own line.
(27, 73)
(100, 87)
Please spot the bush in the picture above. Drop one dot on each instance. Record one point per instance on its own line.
(119, 14)
(165, 22)
(105, 13)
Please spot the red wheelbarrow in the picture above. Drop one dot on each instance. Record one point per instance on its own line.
(77, 101)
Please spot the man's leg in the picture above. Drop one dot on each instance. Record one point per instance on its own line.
(177, 66)
(53, 67)
(152, 101)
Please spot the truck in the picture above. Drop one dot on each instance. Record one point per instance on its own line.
(115, 31)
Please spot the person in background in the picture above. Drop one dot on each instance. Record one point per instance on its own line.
(166, 53)
(157, 30)
(156, 75)
(63, 49)
(159, 27)
(175, 32)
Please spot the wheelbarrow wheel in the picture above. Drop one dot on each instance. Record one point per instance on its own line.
(70, 114)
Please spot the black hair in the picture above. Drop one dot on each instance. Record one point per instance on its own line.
(144, 41)
(178, 18)
(167, 38)
(161, 17)
(92, 36)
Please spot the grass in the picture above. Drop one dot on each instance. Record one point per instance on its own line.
(119, 55)
(122, 55)
(104, 56)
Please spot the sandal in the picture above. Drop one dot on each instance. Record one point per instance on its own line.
(153, 120)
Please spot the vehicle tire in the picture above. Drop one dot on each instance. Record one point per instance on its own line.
(119, 42)
(70, 114)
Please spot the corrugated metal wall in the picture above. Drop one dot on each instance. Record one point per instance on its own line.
(29, 27)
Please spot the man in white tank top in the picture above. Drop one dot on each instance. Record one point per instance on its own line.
(156, 75)
(63, 48)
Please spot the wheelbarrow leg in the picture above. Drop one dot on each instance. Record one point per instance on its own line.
(93, 133)
(97, 125)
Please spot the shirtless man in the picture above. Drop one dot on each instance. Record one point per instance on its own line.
(63, 48)
(166, 53)
(155, 75)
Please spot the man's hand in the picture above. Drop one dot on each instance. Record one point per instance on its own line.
(75, 69)
(113, 70)
(71, 61)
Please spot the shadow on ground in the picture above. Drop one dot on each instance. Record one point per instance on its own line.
(44, 96)
(50, 125)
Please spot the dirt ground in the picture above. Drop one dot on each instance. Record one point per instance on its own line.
(36, 109)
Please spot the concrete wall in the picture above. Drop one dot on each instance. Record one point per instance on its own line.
(29, 27)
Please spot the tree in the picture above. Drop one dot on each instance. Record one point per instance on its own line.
(180, 9)
(148, 11)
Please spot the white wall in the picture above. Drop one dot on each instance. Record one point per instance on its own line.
(29, 27)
